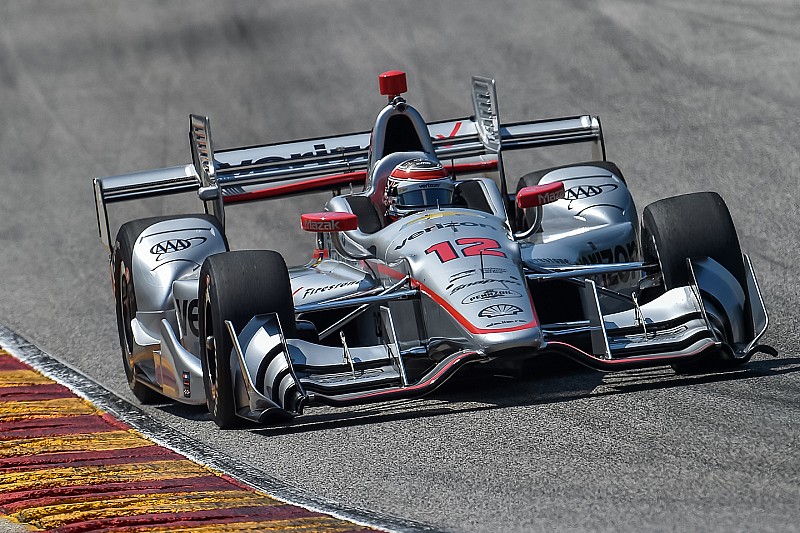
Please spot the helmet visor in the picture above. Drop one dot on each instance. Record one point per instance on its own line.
(428, 197)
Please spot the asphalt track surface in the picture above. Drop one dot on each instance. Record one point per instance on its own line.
(693, 96)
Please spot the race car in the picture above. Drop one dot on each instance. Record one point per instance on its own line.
(425, 261)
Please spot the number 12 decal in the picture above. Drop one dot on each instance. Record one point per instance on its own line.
(472, 246)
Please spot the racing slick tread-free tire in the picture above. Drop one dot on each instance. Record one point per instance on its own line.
(691, 225)
(236, 286)
(125, 296)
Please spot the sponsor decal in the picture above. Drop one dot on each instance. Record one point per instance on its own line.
(538, 195)
(463, 274)
(321, 225)
(493, 270)
(328, 221)
(171, 246)
(187, 384)
(548, 197)
(618, 254)
(494, 311)
(452, 134)
(316, 290)
(462, 286)
(490, 294)
(583, 192)
(452, 225)
(296, 160)
(189, 316)
(504, 322)
(467, 273)
(430, 216)
(550, 261)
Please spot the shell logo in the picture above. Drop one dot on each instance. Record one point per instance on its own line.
(497, 310)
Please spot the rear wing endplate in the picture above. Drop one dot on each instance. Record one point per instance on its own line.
(497, 137)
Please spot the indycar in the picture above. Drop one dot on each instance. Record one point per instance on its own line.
(391, 304)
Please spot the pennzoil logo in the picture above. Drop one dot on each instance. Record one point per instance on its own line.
(171, 246)
(490, 294)
(494, 311)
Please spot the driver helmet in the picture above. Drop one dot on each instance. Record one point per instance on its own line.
(418, 184)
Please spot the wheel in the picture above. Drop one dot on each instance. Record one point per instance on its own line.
(691, 225)
(125, 300)
(236, 286)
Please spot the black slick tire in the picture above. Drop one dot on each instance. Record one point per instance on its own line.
(691, 225)
(236, 286)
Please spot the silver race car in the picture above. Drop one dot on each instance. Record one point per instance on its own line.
(433, 265)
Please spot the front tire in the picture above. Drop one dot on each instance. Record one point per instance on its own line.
(237, 286)
(691, 225)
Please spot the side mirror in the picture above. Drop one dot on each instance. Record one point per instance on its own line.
(328, 222)
(537, 195)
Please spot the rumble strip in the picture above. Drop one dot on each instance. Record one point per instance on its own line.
(66, 464)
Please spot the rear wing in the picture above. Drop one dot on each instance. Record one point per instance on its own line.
(237, 175)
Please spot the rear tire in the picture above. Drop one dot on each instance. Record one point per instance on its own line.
(236, 286)
(691, 225)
